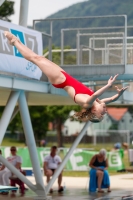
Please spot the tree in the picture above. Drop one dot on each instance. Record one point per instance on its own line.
(40, 120)
(6, 10)
(58, 114)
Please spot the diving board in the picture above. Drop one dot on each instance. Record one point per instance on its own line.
(4, 188)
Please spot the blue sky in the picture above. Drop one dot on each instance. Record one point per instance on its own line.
(40, 9)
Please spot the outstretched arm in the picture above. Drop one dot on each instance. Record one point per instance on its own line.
(101, 90)
(116, 96)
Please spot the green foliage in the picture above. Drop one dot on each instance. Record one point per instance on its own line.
(15, 124)
(39, 119)
(114, 126)
(6, 10)
(68, 58)
(60, 112)
(130, 109)
(42, 115)
(8, 142)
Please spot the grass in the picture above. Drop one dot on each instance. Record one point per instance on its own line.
(97, 147)
(12, 142)
(85, 173)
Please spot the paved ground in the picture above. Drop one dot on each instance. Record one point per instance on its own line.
(77, 189)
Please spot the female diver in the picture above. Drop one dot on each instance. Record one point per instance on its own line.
(93, 108)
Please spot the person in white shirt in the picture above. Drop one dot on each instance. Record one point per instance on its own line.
(5, 173)
(51, 163)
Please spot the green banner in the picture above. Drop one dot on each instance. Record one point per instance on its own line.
(78, 161)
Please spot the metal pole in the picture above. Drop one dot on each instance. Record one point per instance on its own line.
(125, 40)
(1, 2)
(90, 52)
(23, 16)
(7, 113)
(62, 47)
(15, 112)
(93, 46)
(31, 143)
(106, 52)
(81, 51)
(78, 47)
(50, 48)
(60, 168)
(50, 40)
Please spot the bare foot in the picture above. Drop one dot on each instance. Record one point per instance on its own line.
(11, 38)
(61, 189)
(13, 195)
(51, 190)
(21, 195)
(100, 191)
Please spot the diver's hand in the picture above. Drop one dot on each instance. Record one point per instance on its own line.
(98, 100)
(112, 80)
(120, 91)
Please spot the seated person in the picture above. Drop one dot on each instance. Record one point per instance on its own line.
(51, 163)
(5, 173)
(99, 177)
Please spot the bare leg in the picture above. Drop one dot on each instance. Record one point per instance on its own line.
(109, 190)
(50, 69)
(48, 174)
(48, 178)
(100, 178)
(59, 180)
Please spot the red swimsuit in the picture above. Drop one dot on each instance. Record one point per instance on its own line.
(78, 87)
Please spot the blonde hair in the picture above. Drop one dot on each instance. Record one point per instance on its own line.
(86, 115)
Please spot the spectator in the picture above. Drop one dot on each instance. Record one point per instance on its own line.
(118, 147)
(51, 163)
(99, 177)
(43, 143)
(5, 173)
(121, 148)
